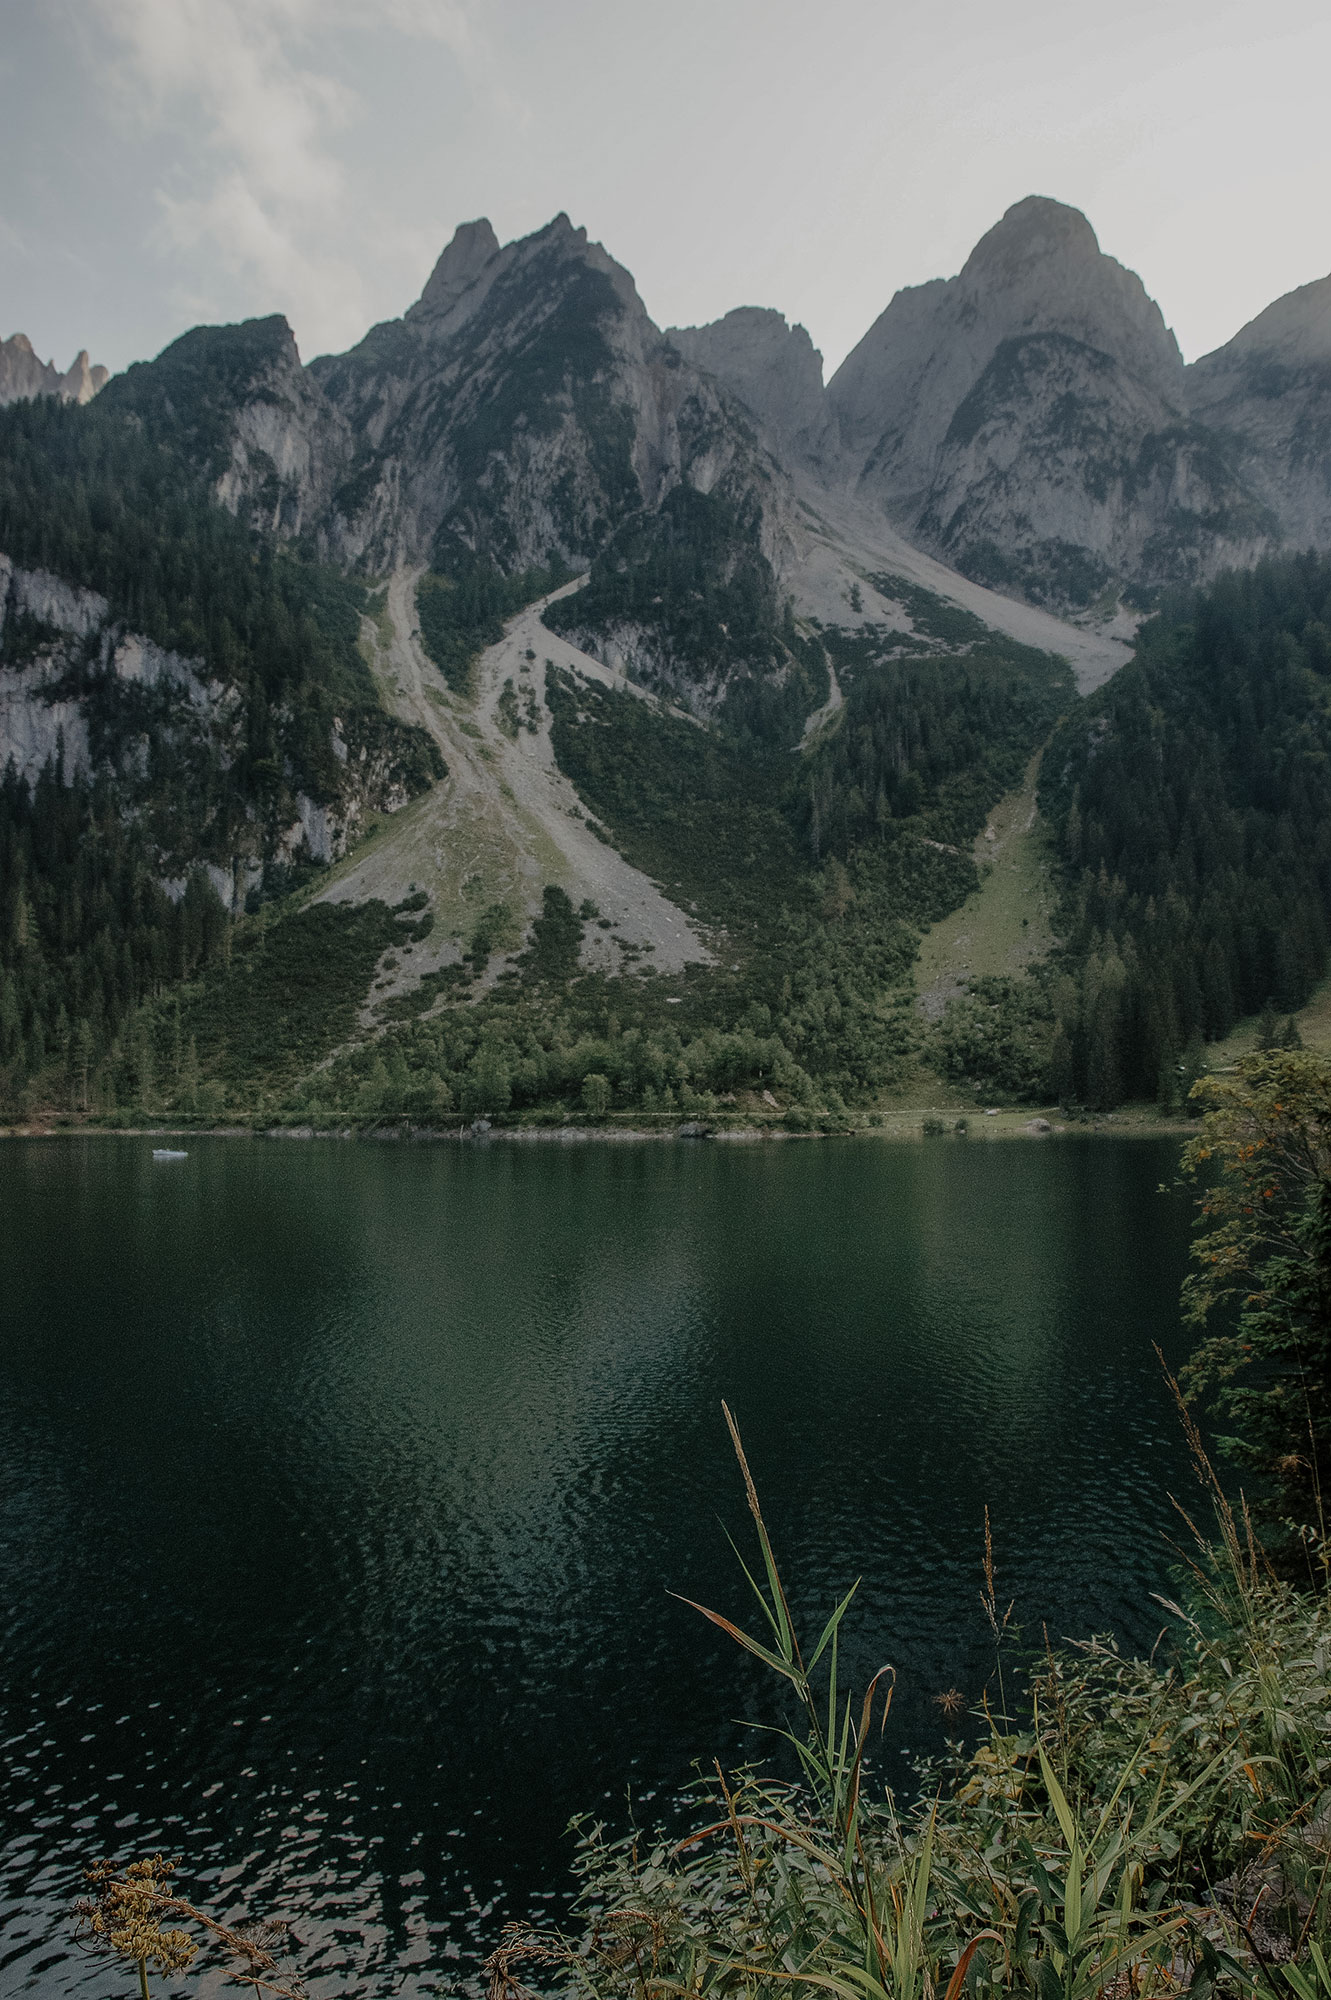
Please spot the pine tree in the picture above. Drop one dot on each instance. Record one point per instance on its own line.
(80, 1063)
(1062, 1079)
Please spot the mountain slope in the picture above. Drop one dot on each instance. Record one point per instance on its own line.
(506, 824)
(1269, 391)
(1027, 421)
(598, 653)
(212, 675)
(521, 409)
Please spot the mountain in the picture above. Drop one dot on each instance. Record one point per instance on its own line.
(500, 436)
(518, 412)
(1029, 421)
(1268, 392)
(526, 419)
(207, 674)
(775, 370)
(22, 375)
(481, 696)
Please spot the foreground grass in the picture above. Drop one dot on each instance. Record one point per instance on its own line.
(1121, 1827)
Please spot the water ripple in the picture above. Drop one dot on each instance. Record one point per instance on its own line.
(342, 1490)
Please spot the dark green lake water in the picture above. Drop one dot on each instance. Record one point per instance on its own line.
(342, 1488)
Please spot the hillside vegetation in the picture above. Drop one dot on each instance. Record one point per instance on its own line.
(117, 497)
(1188, 809)
(1189, 804)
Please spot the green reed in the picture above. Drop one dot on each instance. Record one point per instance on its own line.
(1136, 1827)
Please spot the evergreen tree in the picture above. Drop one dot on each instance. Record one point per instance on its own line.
(1191, 800)
(1266, 1243)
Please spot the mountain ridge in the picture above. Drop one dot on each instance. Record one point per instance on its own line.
(728, 667)
(1029, 421)
(23, 374)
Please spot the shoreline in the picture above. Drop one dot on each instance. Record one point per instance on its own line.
(899, 1128)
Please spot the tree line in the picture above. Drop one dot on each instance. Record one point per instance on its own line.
(88, 935)
(1191, 805)
(118, 497)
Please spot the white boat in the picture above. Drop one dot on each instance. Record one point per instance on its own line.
(166, 1153)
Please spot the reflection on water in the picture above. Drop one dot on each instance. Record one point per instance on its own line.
(342, 1489)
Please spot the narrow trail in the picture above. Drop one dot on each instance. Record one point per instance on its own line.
(505, 822)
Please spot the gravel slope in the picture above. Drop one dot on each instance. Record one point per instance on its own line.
(505, 822)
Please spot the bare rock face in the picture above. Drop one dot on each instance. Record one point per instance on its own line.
(775, 370)
(81, 382)
(473, 246)
(522, 408)
(288, 447)
(67, 667)
(1027, 420)
(1038, 271)
(1267, 392)
(23, 375)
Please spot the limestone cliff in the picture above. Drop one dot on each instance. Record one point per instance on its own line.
(1268, 393)
(775, 370)
(520, 410)
(23, 375)
(1028, 420)
(80, 691)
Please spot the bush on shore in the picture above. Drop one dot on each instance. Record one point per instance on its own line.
(1126, 1827)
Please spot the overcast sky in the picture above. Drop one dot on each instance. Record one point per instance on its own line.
(170, 161)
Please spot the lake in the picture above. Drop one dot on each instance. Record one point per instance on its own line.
(343, 1489)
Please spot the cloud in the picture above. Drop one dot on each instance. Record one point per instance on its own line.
(247, 89)
(431, 20)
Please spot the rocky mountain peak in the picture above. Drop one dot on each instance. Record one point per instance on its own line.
(1295, 330)
(84, 379)
(774, 369)
(1041, 269)
(1031, 232)
(1268, 392)
(471, 249)
(474, 264)
(24, 374)
(1027, 420)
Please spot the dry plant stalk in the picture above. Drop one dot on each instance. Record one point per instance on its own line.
(123, 1916)
(517, 1946)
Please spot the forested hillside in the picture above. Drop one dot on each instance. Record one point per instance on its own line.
(86, 930)
(809, 995)
(685, 601)
(1193, 810)
(118, 497)
(1190, 805)
(213, 687)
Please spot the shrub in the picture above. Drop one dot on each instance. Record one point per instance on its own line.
(595, 1095)
(1137, 1827)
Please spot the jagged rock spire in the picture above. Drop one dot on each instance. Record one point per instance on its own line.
(472, 247)
(23, 374)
